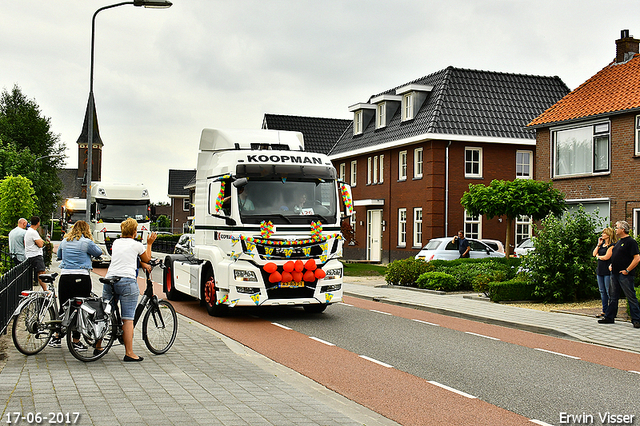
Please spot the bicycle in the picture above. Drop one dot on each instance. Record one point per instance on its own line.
(36, 318)
(99, 321)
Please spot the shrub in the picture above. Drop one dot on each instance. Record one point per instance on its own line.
(515, 289)
(481, 281)
(406, 271)
(437, 281)
(562, 267)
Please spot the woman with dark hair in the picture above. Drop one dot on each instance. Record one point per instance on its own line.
(602, 252)
(75, 251)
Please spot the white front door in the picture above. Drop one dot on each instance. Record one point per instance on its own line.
(374, 235)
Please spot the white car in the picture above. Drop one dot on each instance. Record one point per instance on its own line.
(494, 244)
(524, 247)
(443, 248)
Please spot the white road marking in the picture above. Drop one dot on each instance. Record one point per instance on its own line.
(376, 361)
(556, 353)
(425, 322)
(466, 395)
(321, 341)
(345, 304)
(632, 371)
(482, 335)
(539, 422)
(380, 312)
(281, 326)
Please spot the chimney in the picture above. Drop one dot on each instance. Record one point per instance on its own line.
(626, 47)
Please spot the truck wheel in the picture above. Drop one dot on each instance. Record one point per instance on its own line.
(168, 284)
(209, 294)
(315, 309)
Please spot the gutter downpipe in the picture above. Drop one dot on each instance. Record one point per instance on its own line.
(446, 190)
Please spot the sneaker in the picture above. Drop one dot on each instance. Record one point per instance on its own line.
(55, 342)
(79, 347)
(636, 324)
(606, 320)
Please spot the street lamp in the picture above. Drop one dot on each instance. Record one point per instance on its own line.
(155, 4)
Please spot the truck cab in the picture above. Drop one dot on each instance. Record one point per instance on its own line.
(267, 224)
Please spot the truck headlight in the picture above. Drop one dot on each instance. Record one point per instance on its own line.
(248, 290)
(241, 275)
(330, 288)
(333, 274)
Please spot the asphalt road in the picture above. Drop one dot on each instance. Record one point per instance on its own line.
(416, 367)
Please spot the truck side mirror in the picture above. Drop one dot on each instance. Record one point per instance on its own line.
(239, 183)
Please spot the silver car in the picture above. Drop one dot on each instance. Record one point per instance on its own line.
(444, 249)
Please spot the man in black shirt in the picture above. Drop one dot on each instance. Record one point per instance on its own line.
(624, 259)
(463, 244)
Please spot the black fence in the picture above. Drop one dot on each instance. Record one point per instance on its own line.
(12, 283)
(163, 246)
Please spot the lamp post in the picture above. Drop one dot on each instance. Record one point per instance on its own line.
(154, 4)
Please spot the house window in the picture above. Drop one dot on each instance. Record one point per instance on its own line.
(417, 227)
(357, 122)
(343, 168)
(381, 168)
(637, 134)
(523, 228)
(407, 107)
(417, 163)
(185, 204)
(581, 150)
(381, 116)
(402, 227)
(402, 165)
(368, 170)
(354, 172)
(472, 228)
(524, 165)
(473, 162)
(375, 169)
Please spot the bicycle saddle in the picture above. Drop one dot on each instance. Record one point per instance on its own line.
(110, 281)
(48, 278)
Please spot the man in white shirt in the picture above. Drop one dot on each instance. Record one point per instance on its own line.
(16, 241)
(33, 244)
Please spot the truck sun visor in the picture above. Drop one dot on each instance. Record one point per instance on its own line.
(291, 171)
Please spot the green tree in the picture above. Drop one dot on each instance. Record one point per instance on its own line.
(163, 222)
(17, 199)
(562, 267)
(29, 148)
(521, 197)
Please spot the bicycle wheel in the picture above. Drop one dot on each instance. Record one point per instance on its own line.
(160, 327)
(31, 329)
(89, 354)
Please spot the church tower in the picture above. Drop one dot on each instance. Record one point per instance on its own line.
(96, 153)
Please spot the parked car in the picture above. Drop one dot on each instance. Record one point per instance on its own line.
(443, 248)
(184, 244)
(496, 245)
(525, 247)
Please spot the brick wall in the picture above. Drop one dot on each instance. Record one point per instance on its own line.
(621, 186)
(427, 192)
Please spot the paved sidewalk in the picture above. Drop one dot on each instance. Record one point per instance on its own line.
(206, 378)
(620, 335)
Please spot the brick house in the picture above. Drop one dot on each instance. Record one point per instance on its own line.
(181, 199)
(588, 143)
(412, 151)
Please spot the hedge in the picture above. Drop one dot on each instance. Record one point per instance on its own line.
(514, 289)
(437, 281)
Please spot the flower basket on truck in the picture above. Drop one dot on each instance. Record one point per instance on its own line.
(267, 225)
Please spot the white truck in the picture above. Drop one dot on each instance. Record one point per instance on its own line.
(267, 225)
(73, 209)
(111, 203)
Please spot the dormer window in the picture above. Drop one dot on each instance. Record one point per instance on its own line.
(362, 115)
(407, 107)
(381, 116)
(357, 122)
(413, 96)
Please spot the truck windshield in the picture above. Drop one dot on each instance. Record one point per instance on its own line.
(119, 210)
(285, 201)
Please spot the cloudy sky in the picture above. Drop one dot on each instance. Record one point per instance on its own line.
(161, 76)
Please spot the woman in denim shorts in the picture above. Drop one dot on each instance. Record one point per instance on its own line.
(124, 264)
